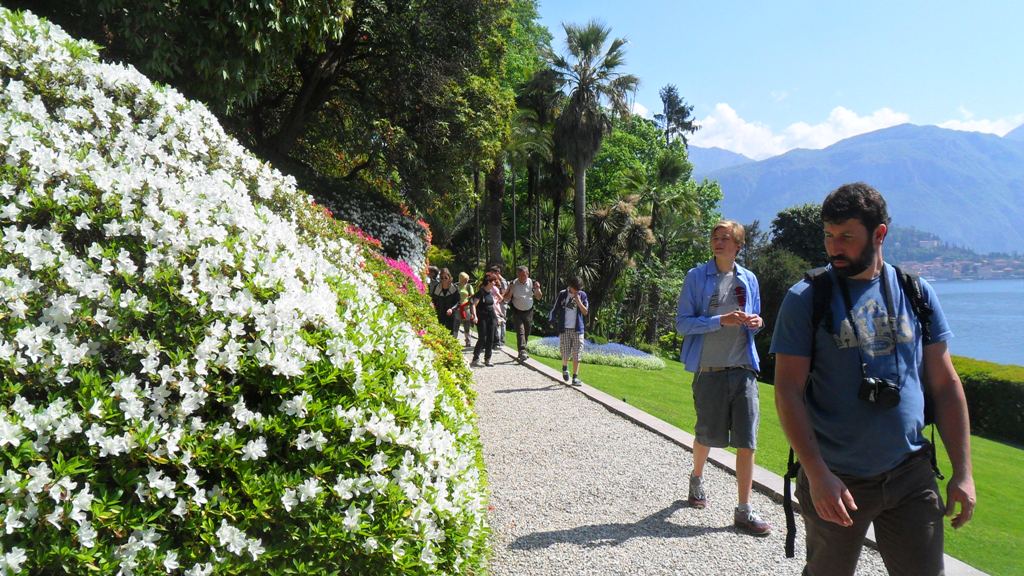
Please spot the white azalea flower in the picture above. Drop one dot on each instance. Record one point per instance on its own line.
(309, 489)
(255, 449)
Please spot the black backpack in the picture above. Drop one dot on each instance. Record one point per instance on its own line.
(821, 284)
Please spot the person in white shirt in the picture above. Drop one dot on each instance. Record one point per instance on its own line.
(568, 315)
(520, 295)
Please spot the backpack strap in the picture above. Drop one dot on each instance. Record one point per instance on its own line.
(821, 286)
(792, 469)
(821, 294)
(910, 284)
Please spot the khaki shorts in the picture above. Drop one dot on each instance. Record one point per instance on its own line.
(727, 408)
(571, 344)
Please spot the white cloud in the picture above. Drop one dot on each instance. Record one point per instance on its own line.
(640, 110)
(725, 128)
(999, 126)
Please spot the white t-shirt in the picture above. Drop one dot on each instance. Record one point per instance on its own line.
(522, 295)
(570, 317)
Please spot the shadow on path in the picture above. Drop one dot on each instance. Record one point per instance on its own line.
(597, 535)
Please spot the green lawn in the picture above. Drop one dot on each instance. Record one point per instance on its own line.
(990, 542)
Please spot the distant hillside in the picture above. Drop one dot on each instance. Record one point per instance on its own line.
(707, 160)
(964, 186)
(913, 245)
(1015, 134)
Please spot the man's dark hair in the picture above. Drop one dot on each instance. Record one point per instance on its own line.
(574, 282)
(857, 200)
(495, 268)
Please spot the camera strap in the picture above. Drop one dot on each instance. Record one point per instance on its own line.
(890, 309)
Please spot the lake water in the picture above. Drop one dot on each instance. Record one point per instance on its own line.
(987, 318)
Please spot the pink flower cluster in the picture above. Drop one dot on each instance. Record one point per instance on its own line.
(405, 269)
(357, 231)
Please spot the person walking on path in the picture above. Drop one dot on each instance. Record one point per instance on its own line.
(465, 311)
(485, 318)
(501, 308)
(856, 424)
(432, 279)
(568, 313)
(445, 298)
(718, 314)
(521, 295)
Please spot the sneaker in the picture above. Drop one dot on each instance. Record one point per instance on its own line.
(748, 521)
(576, 381)
(475, 362)
(488, 363)
(523, 357)
(565, 374)
(697, 498)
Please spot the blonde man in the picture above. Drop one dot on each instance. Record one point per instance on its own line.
(718, 314)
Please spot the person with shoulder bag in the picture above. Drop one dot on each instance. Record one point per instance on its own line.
(521, 295)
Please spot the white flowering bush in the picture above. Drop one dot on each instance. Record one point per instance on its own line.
(195, 378)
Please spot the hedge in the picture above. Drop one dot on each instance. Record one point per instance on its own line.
(995, 398)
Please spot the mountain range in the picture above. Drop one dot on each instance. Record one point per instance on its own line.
(965, 187)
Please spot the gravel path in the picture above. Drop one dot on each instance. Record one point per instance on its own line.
(576, 489)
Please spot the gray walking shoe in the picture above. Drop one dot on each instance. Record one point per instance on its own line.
(697, 498)
(748, 521)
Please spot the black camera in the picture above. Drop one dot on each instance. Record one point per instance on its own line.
(879, 391)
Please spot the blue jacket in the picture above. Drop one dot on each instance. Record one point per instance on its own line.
(692, 314)
(557, 314)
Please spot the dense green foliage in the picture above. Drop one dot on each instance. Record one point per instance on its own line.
(799, 230)
(995, 398)
(406, 95)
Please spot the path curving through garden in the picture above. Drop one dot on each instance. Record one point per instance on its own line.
(579, 490)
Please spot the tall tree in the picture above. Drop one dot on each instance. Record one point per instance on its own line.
(675, 119)
(616, 234)
(590, 79)
(799, 230)
(540, 95)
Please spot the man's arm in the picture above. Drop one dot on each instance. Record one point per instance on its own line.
(831, 499)
(954, 425)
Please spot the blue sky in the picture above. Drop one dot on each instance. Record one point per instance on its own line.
(767, 77)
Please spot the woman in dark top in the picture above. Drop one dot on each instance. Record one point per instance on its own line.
(445, 297)
(485, 319)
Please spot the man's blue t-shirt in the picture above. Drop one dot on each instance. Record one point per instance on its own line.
(855, 437)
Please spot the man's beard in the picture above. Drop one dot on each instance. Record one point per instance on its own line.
(855, 267)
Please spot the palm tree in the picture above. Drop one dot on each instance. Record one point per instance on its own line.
(616, 234)
(590, 79)
(658, 186)
(675, 119)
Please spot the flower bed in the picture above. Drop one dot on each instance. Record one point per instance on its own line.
(200, 374)
(610, 354)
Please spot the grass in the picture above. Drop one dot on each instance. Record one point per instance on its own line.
(990, 542)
